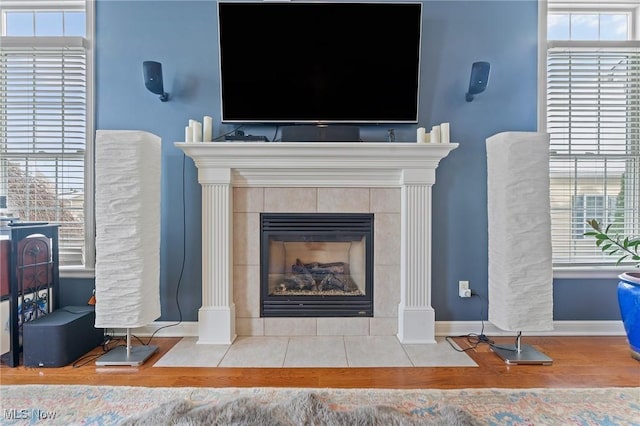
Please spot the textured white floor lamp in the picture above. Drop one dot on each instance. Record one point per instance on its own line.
(127, 198)
(519, 231)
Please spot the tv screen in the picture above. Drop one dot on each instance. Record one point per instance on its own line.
(295, 62)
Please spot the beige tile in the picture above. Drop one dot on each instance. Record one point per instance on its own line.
(256, 352)
(246, 238)
(248, 200)
(385, 200)
(313, 351)
(293, 200)
(387, 239)
(343, 326)
(290, 326)
(439, 354)
(246, 290)
(343, 200)
(250, 326)
(188, 353)
(375, 351)
(386, 290)
(381, 326)
(316, 351)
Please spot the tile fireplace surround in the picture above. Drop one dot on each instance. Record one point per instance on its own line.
(241, 179)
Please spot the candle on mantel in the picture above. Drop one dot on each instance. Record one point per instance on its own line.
(421, 135)
(197, 131)
(445, 133)
(207, 129)
(435, 134)
(188, 134)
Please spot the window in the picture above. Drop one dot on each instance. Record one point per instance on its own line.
(45, 120)
(593, 119)
(585, 207)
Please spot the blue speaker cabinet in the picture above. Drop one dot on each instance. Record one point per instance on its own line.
(61, 337)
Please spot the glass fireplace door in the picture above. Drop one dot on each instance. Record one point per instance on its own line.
(317, 264)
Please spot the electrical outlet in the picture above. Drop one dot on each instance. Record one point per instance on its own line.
(463, 289)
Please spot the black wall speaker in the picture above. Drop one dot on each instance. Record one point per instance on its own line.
(479, 79)
(152, 72)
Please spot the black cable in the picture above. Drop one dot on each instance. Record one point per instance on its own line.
(275, 135)
(473, 339)
(88, 358)
(219, 137)
(184, 251)
(105, 348)
(513, 349)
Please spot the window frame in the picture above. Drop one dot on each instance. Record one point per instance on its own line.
(85, 270)
(631, 7)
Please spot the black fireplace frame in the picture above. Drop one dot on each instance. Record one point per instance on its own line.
(316, 227)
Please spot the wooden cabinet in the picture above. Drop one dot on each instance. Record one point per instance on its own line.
(31, 259)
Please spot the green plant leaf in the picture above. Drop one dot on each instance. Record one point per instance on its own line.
(621, 259)
(594, 224)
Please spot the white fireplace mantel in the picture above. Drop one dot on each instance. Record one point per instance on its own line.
(224, 165)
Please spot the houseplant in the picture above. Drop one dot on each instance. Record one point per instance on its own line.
(626, 248)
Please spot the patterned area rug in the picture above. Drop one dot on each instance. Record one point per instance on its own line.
(111, 405)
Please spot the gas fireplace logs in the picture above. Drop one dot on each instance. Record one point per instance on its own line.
(319, 277)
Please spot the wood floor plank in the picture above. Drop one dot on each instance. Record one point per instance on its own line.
(589, 361)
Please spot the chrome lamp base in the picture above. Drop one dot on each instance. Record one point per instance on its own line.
(119, 356)
(521, 354)
(127, 355)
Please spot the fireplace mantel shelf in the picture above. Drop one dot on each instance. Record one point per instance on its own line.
(316, 163)
(225, 165)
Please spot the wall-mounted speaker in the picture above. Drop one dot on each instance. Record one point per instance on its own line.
(152, 72)
(479, 79)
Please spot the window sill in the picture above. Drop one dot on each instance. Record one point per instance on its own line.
(589, 272)
(77, 272)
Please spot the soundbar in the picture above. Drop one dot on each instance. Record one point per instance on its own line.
(246, 138)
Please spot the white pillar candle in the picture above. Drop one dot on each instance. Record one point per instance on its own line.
(197, 131)
(188, 134)
(444, 133)
(435, 134)
(421, 135)
(207, 129)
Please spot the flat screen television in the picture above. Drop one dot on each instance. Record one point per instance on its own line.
(319, 62)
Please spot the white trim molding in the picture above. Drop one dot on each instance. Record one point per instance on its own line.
(560, 328)
(225, 165)
(442, 328)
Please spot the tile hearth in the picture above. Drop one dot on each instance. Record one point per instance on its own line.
(314, 351)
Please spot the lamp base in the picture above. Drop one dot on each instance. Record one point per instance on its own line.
(525, 355)
(118, 356)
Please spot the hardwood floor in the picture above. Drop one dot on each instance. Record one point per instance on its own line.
(577, 362)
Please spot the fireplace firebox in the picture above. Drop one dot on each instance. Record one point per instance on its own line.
(316, 265)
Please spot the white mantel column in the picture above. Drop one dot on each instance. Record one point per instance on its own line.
(416, 316)
(216, 317)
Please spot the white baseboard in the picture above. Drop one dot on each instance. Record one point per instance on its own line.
(163, 328)
(443, 328)
(561, 328)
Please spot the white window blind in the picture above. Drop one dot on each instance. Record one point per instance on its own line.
(43, 128)
(593, 118)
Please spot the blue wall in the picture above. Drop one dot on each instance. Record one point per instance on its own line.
(183, 36)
